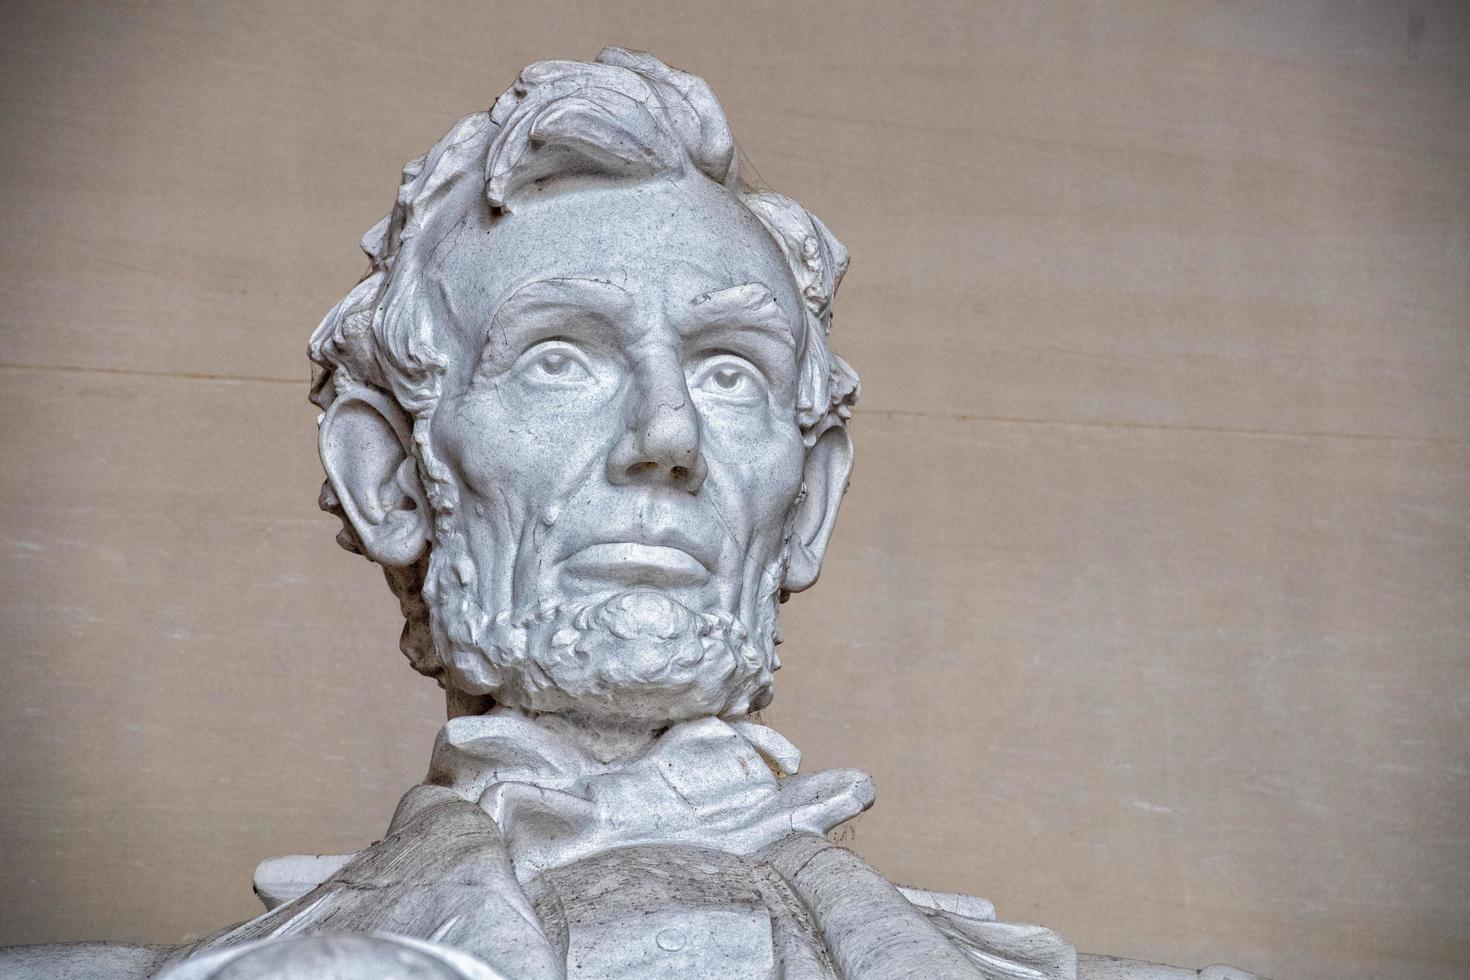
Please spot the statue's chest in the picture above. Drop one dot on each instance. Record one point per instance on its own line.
(652, 912)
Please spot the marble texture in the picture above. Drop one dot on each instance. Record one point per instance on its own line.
(583, 413)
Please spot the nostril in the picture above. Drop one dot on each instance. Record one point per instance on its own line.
(640, 469)
(652, 470)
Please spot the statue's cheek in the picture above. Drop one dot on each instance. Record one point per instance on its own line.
(758, 472)
(506, 436)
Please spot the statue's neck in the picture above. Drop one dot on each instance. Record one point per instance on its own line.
(606, 741)
(563, 788)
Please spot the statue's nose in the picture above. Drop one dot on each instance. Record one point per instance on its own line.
(661, 444)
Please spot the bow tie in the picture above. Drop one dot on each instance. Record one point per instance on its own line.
(727, 785)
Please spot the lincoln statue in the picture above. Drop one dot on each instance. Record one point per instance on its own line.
(584, 412)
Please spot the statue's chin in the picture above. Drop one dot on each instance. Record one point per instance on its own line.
(636, 657)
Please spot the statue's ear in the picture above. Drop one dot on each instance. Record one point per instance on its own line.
(362, 441)
(828, 465)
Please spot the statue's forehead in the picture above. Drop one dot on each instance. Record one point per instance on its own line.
(665, 242)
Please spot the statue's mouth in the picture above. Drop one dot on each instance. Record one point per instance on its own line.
(630, 563)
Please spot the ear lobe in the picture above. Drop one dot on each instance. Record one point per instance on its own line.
(828, 466)
(362, 442)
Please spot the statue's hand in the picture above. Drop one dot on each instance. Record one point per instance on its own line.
(442, 874)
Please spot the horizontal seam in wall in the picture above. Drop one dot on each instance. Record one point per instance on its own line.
(1159, 426)
(861, 413)
(302, 382)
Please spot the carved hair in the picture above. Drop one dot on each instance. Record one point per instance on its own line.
(625, 116)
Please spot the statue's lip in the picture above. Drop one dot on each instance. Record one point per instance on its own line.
(666, 538)
(634, 562)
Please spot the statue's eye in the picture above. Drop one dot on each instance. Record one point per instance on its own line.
(729, 377)
(555, 361)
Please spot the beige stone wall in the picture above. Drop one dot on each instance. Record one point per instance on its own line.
(1148, 608)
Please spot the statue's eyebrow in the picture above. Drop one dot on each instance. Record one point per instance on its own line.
(541, 307)
(750, 305)
(595, 294)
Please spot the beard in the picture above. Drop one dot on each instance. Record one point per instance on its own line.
(636, 656)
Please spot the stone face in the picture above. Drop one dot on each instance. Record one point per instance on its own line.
(583, 412)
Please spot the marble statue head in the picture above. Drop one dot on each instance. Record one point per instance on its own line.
(582, 409)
